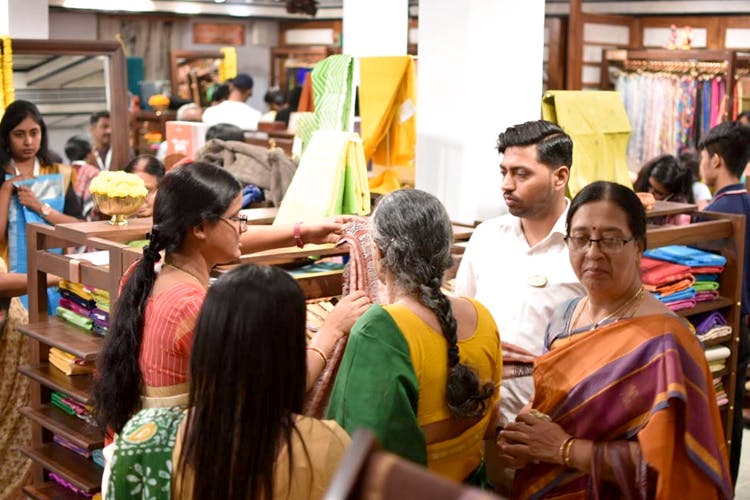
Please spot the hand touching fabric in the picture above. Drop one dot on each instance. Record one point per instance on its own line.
(530, 439)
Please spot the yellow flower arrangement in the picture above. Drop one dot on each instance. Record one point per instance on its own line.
(158, 101)
(118, 184)
(7, 91)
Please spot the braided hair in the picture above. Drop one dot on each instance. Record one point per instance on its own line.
(117, 389)
(413, 231)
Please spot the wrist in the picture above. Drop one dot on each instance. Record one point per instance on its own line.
(297, 233)
(44, 210)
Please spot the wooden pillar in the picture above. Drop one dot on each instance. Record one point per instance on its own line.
(573, 73)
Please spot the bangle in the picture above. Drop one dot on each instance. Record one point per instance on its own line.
(567, 454)
(565, 450)
(298, 235)
(319, 353)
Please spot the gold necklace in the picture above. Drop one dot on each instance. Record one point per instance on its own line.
(595, 324)
(185, 271)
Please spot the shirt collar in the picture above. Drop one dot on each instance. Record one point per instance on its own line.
(558, 228)
(731, 187)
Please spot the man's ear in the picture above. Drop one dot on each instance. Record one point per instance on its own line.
(560, 176)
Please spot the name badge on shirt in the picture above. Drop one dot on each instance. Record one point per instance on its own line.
(537, 281)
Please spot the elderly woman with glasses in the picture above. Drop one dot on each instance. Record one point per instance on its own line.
(145, 360)
(624, 404)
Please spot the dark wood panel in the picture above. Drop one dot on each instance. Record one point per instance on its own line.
(71, 428)
(78, 470)
(78, 387)
(50, 491)
(59, 333)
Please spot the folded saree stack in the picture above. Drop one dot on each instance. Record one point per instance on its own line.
(85, 307)
(681, 276)
(68, 363)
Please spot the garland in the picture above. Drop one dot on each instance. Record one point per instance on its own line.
(228, 65)
(7, 92)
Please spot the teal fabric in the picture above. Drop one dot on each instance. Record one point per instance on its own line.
(376, 387)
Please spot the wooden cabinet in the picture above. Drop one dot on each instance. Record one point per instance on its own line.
(45, 332)
(148, 130)
(724, 233)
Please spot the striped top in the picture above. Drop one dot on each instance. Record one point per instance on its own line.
(169, 324)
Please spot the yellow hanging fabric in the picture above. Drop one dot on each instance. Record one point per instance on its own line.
(387, 108)
(600, 129)
(228, 64)
(7, 91)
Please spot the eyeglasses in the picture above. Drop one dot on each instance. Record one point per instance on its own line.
(608, 245)
(241, 219)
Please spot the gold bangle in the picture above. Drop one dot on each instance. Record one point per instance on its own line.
(568, 449)
(563, 449)
(319, 353)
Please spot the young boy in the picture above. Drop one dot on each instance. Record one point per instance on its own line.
(725, 151)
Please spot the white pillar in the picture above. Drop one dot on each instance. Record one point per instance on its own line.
(24, 18)
(375, 28)
(479, 71)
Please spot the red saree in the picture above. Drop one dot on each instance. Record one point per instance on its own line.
(646, 379)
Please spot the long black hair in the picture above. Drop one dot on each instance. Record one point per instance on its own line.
(14, 114)
(247, 380)
(670, 173)
(413, 231)
(187, 196)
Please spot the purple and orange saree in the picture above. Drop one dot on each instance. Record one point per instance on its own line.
(643, 379)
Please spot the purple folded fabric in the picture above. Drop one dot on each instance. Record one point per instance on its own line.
(713, 319)
(65, 484)
(101, 316)
(76, 308)
(679, 305)
(706, 296)
(72, 447)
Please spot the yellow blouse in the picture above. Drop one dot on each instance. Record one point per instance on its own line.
(455, 458)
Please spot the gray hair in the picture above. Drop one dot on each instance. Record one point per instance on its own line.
(412, 230)
(189, 112)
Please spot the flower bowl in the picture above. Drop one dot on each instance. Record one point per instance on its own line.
(118, 207)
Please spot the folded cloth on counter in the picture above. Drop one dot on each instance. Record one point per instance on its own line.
(76, 319)
(100, 330)
(658, 272)
(681, 304)
(703, 286)
(715, 270)
(715, 333)
(71, 446)
(717, 366)
(671, 288)
(69, 486)
(72, 306)
(705, 322)
(100, 316)
(717, 353)
(88, 304)
(706, 295)
(685, 294)
(706, 277)
(57, 399)
(68, 363)
(687, 256)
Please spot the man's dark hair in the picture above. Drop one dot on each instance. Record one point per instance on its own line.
(745, 115)
(731, 141)
(98, 116)
(554, 146)
(225, 132)
(77, 148)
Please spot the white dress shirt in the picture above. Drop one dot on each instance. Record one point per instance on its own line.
(521, 286)
(234, 112)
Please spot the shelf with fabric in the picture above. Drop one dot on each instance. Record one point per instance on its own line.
(71, 428)
(722, 233)
(81, 473)
(56, 332)
(49, 490)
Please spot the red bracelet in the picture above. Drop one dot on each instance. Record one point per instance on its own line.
(298, 235)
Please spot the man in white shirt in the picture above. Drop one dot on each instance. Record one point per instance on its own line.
(101, 135)
(517, 265)
(234, 110)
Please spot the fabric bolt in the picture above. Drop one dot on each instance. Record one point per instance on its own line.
(99, 330)
(86, 304)
(69, 486)
(333, 92)
(78, 289)
(705, 277)
(71, 446)
(59, 399)
(520, 309)
(72, 306)
(75, 319)
(395, 360)
(717, 353)
(707, 321)
(679, 305)
(715, 332)
(685, 255)
(659, 272)
(703, 286)
(687, 293)
(622, 382)
(671, 288)
(706, 295)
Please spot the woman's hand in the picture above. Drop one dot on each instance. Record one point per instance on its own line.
(328, 231)
(343, 316)
(531, 438)
(28, 199)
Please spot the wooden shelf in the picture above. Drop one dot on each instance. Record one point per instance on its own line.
(74, 429)
(57, 332)
(721, 373)
(50, 491)
(78, 470)
(662, 208)
(710, 305)
(78, 387)
(724, 339)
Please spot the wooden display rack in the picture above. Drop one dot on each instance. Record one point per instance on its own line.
(717, 232)
(48, 331)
